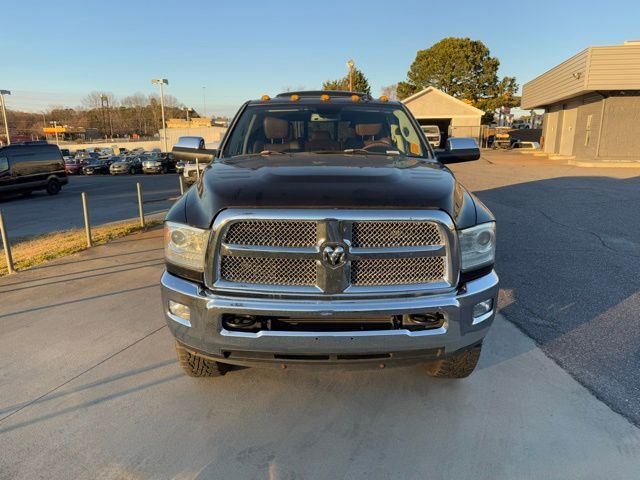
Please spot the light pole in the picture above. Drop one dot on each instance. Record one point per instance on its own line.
(4, 114)
(188, 110)
(204, 101)
(351, 65)
(104, 100)
(161, 82)
(55, 129)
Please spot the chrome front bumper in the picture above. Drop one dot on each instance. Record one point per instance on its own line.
(204, 332)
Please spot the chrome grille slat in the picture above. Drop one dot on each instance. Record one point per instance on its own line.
(268, 271)
(391, 234)
(273, 233)
(397, 271)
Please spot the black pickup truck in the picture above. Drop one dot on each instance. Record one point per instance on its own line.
(326, 232)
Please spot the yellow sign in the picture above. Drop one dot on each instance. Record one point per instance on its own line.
(53, 130)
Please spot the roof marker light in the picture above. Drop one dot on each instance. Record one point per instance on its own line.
(266, 98)
(324, 98)
(295, 98)
(384, 98)
(355, 98)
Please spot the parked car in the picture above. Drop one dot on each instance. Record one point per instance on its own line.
(525, 145)
(354, 251)
(25, 167)
(73, 166)
(127, 165)
(432, 132)
(180, 167)
(95, 167)
(157, 162)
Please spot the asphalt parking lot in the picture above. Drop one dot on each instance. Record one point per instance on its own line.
(568, 257)
(89, 385)
(110, 198)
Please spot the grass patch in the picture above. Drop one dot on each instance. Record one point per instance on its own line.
(36, 250)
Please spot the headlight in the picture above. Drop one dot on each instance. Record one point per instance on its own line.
(477, 246)
(185, 246)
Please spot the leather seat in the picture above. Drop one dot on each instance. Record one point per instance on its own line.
(367, 133)
(278, 137)
(321, 141)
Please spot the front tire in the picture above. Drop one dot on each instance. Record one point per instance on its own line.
(196, 366)
(53, 187)
(459, 365)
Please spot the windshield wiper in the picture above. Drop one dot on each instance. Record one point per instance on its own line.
(363, 151)
(271, 152)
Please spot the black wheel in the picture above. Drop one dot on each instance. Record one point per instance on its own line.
(165, 169)
(53, 187)
(196, 366)
(132, 171)
(460, 365)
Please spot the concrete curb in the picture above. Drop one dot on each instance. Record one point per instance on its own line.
(578, 163)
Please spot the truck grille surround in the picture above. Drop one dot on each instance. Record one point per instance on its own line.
(332, 252)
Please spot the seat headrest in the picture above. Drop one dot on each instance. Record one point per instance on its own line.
(275, 128)
(320, 135)
(368, 129)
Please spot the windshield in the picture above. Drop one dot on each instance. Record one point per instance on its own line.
(344, 128)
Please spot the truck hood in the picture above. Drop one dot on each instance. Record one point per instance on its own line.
(312, 180)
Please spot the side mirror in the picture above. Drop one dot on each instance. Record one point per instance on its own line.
(188, 149)
(459, 149)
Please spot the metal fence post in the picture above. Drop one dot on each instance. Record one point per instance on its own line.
(87, 225)
(198, 168)
(140, 208)
(7, 247)
(181, 182)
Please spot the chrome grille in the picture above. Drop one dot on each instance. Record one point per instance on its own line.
(291, 251)
(397, 271)
(273, 233)
(268, 271)
(395, 234)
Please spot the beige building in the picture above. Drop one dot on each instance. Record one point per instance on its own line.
(454, 117)
(592, 104)
(211, 134)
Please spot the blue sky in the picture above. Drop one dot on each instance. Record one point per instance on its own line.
(55, 52)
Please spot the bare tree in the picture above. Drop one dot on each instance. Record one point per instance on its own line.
(390, 91)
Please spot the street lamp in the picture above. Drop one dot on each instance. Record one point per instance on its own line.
(351, 66)
(161, 82)
(55, 130)
(4, 114)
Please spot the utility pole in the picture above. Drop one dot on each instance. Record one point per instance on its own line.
(351, 65)
(162, 82)
(204, 101)
(4, 114)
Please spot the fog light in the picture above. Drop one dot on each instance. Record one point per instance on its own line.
(181, 313)
(481, 309)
